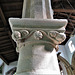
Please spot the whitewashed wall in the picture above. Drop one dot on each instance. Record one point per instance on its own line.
(70, 48)
(1, 62)
(63, 51)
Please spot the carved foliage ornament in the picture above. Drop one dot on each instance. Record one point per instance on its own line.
(18, 35)
(58, 36)
(38, 35)
(54, 36)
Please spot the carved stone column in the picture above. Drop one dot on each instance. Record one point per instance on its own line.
(37, 35)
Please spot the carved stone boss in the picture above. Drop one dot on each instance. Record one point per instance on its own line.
(37, 36)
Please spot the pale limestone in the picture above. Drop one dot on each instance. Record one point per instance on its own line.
(37, 35)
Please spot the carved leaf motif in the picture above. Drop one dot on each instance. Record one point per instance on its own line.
(38, 35)
(53, 33)
(24, 33)
(16, 35)
(59, 37)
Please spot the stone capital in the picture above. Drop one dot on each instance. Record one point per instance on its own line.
(34, 31)
(37, 35)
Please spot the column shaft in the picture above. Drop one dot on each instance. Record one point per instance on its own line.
(37, 9)
(35, 60)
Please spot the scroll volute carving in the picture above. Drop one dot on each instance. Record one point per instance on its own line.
(18, 35)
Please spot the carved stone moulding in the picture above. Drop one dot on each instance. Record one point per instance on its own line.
(46, 24)
(27, 30)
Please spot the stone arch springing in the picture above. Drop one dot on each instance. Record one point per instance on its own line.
(68, 67)
(73, 62)
(11, 71)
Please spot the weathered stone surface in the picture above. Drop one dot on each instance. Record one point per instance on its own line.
(37, 35)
